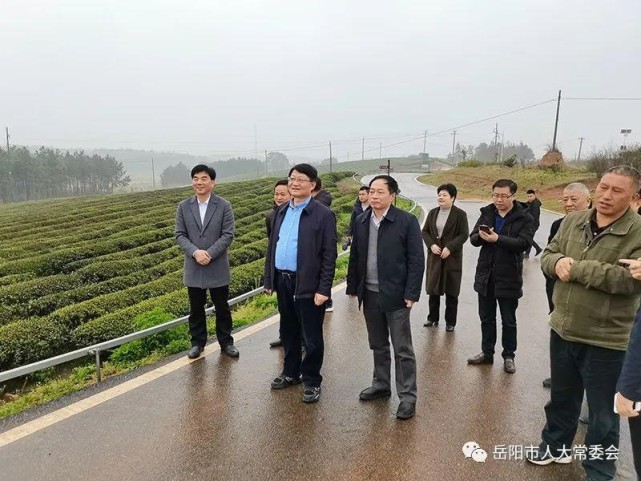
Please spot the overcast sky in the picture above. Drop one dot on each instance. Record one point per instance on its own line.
(204, 76)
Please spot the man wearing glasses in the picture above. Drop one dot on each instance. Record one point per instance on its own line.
(299, 267)
(503, 232)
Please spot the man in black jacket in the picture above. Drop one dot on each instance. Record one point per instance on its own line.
(299, 267)
(281, 196)
(533, 207)
(503, 232)
(385, 271)
(360, 205)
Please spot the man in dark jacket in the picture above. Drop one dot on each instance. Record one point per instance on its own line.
(300, 265)
(503, 232)
(321, 195)
(385, 272)
(281, 196)
(629, 385)
(360, 205)
(533, 207)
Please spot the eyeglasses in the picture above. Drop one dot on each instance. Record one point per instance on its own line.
(298, 179)
(501, 196)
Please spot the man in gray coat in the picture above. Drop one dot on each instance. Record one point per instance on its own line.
(204, 231)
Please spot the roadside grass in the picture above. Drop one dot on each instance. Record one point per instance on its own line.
(475, 183)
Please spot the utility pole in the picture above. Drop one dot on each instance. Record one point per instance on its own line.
(424, 141)
(556, 122)
(454, 147)
(363, 150)
(380, 150)
(7, 130)
(153, 174)
(330, 156)
(496, 143)
(265, 162)
(578, 157)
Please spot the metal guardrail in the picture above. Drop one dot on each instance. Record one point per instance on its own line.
(96, 349)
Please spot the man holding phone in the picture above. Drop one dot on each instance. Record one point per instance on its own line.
(503, 232)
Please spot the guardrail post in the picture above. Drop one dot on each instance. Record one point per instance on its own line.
(96, 352)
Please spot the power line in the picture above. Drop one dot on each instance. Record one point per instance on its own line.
(603, 98)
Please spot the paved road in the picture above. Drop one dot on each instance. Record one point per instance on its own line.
(216, 418)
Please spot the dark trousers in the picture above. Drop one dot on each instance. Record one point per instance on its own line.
(381, 326)
(635, 435)
(198, 319)
(577, 367)
(451, 309)
(300, 319)
(487, 314)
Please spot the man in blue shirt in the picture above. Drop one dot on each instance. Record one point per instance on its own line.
(299, 267)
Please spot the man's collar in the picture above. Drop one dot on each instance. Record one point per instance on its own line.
(302, 205)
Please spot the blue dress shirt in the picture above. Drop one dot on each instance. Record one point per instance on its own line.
(287, 244)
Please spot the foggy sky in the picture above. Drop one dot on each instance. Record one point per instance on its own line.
(203, 76)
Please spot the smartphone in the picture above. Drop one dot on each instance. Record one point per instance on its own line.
(485, 228)
(636, 406)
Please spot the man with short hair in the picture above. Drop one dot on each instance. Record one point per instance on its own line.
(204, 231)
(385, 271)
(360, 205)
(299, 267)
(321, 195)
(533, 206)
(595, 301)
(281, 196)
(503, 232)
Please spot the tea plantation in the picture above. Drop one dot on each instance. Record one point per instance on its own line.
(74, 272)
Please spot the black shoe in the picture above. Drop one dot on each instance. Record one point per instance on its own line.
(449, 328)
(311, 394)
(431, 323)
(543, 458)
(370, 393)
(405, 410)
(282, 381)
(481, 359)
(195, 352)
(230, 350)
(277, 343)
(509, 366)
(547, 383)
(329, 306)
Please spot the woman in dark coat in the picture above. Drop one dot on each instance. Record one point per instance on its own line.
(445, 231)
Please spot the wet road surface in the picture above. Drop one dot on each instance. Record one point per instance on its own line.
(216, 418)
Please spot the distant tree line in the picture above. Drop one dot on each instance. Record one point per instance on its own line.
(492, 152)
(177, 175)
(46, 173)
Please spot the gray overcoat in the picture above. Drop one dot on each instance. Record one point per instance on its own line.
(215, 236)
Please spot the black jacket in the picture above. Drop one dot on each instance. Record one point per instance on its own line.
(630, 379)
(502, 261)
(534, 209)
(316, 258)
(356, 211)
(269, 219)
(324, 197)
(399, 256)
(549, 281)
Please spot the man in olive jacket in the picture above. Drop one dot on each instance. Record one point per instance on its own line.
(595, 300)
(385, 272)
(503, 232)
